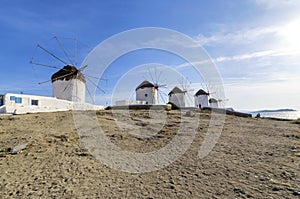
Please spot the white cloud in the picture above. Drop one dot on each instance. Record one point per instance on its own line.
(241, 57)
(266, 53)
(244, 36)
(277, 3)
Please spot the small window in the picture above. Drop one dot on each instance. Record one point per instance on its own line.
(34, 102)
(146, 95)
(12, 98)
(18, 100)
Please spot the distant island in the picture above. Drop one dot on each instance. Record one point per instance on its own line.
(277, 110)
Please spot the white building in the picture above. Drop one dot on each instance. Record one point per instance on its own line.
(201, 98)
(129, 102)
(181, 98)
(147, 92)
(178, 97)
(20, 104)
(213, 103)
(69, 84)
(68, 94)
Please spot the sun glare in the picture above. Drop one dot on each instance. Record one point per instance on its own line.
(291, 34)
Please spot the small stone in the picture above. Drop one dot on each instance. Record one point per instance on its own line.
(296, 193)
(17, 149)
(264, 178)
(276, 188)
(293, 147)
(236, 190)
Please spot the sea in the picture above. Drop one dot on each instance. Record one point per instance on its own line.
(283, 114)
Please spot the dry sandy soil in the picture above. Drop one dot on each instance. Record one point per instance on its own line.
(252, 159)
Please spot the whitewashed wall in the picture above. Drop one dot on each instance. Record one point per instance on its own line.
(45, 104)
(72, 90)
(214, 105)
(128, 102)
(201, 100)
(182, 99)
(178, 99)
(151, 97)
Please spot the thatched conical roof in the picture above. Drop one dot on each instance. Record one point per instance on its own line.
(176, 90)
(145, 84)
(201, 92)
(68, 72)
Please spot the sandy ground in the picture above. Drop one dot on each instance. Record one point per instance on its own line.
(252, 159)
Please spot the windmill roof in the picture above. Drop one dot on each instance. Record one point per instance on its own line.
(145, 84)
(176, 90)
(68, 72)
(213, 100)
(201, 92)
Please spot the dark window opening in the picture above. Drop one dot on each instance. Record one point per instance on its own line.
(1, 100)
(146, 95)
(12, 98)
(34, 102)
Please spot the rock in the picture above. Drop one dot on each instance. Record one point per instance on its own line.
(172, 187)
(262, 178)
(17, 149)
(293, 147)
(296, 193)
(276, 188)
(168, 107)
(236, 190)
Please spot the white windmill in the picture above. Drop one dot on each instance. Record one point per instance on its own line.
(182, 96)
(205, 99)
(69, 82)
(152, 92)
(147, 92)
(201, 98)
(177, 96)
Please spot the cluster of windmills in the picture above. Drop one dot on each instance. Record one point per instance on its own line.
(147, 93)
(69, 91)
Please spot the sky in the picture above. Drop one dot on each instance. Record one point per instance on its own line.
(254, 44)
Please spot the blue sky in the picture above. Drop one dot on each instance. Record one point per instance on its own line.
(254, 43)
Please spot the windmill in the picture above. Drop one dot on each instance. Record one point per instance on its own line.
(69, 82)
(202, 97)
(182, 96)
(152, 92)
(207, 98)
